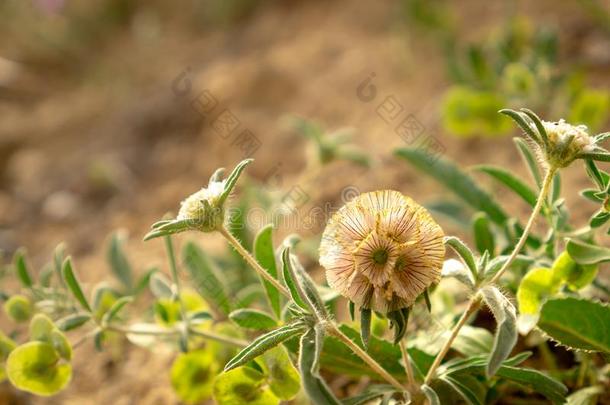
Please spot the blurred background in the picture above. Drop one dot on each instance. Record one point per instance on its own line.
(113, 111)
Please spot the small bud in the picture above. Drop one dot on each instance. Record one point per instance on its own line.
(18, 308)
(566, 142)
(203, 211)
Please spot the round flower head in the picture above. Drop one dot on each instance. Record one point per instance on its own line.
(382, 250)
(566, 142)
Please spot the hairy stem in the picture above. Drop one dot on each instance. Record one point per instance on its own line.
(252, 261)
(358, 351)
(473, 305)
(408, 368)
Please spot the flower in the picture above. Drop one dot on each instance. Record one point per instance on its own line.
(566, 142)
(382, 250)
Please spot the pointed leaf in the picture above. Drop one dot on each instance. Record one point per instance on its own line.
(232, 179)
(119, 264)
(263, 343)
(265, 256)
(315, 387)
(454, 179)
(465, 254)
(483, 236)
(252, 319)
(511, 181)
(365, 326)
(430, 394)
(73, 284)
(22, 269)
(530, 160)
(586, 253)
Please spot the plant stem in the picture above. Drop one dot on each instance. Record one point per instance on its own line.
(252, 261)
(473, 305)
(544, 190)
(335, 331)
(408, 368)
(174, 332)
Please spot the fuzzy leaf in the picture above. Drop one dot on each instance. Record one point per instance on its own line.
(468, 387)
(506, 331)
(465, 254)
(303, 284)
(577, 323)
(265, 256)
(365, 326)
(263, 343)
(454, 179)
(115, 309)
(252, 319)
(232, 179)
(529, 158)
(315, 387)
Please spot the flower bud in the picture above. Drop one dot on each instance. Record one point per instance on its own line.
(566, 142)
(18, 308)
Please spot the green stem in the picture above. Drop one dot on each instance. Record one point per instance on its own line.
(408, 368)
(252, 261)
(332, 329)
(473, 305)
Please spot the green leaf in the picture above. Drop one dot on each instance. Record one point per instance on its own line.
(22, 269)
(243, 385)
(456, 269)
(506, 331)
(369, 394)
(537, 381)
(206, 278)
(283, 377)
(309, 355)
(511, 181)
(192, 375)
(577, 323)
(468, 387)
(585, 253)
(530, 159)
(41, 327)
(73, 284)
(119, 264)
(35, 367)
(265, 256)
(115, 309)
(430, 394)
(74, 321)
(483, 236)
(263, 343)
(535, 288)
(465, 254)
(472, 341)
(523, 122)
(252, 319)
(460, 183)
(365, 326)
(232, 179)
(300, 284)
(160, 286)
